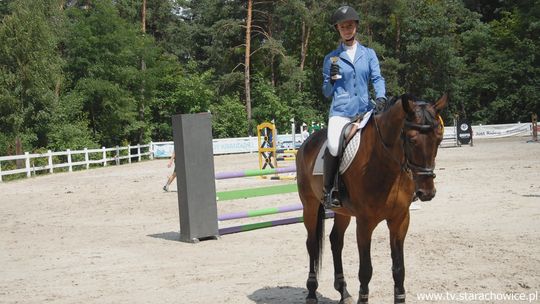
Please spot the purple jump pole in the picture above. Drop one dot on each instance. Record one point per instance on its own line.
(260, 212)
(248, 227)
(246, 173)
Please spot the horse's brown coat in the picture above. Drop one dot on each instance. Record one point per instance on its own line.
(395, 162)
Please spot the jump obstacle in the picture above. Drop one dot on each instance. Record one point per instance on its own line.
(268, 153)
(196, 182)
(450, 139)
(255, 192)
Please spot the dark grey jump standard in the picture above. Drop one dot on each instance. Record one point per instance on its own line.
(194, 165)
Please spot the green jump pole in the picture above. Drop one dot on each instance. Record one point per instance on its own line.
(255, 192)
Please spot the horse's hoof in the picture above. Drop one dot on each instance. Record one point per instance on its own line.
(363, 299)
(348, 300)
(311, 301)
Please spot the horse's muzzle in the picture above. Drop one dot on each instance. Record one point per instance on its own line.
(425, 195)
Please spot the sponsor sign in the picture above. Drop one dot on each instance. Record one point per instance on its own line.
(464, 132)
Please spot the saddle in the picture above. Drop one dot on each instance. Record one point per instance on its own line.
(348, 145)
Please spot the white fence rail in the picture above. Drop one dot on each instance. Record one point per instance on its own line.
(104, 157)
(220, 146)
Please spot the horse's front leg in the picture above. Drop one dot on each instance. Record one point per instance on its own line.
(398, 231)
(341, 222)
(363, 239)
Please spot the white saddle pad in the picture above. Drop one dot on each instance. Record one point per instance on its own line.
(350, 150)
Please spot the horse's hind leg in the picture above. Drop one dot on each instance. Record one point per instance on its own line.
(398, 231)
(314, 223)
(341, 222)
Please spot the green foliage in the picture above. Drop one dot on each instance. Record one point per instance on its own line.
(4, 8)
(70, 125)
(180, 90)
(29, 69)
(87, 76)
(228, 117)
(112, 68)
(503, 68)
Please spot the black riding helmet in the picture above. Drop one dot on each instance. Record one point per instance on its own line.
(344, 13)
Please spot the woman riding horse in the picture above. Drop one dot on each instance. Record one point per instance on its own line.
(394, 164)
(347, 71)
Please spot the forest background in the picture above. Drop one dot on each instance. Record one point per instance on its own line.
(92, 73)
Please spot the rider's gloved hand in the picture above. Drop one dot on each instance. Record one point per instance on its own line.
(380, 104)
(334, 71)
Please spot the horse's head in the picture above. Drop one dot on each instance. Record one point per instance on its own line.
(422, 132)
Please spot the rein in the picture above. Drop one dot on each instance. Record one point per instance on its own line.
(403, 165)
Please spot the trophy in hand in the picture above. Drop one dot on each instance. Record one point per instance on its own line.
(334, 69)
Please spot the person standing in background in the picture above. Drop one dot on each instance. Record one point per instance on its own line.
(304, 133)
(173, 175)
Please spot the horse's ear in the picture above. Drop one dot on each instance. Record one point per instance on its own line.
(405, 102)
(442, 102)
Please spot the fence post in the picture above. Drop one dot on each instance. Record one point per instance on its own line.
(49, 155)
(117, 156)
(151, 150)
(129, 154)
(104, 157)
(0, 172)
(456, 119)
(534, 124)
(86, 159)
(139, 151)
(69, 160)
(27, 164)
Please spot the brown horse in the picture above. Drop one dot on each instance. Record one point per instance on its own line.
(394, 165)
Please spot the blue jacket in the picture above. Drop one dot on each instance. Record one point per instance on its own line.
(350, 94)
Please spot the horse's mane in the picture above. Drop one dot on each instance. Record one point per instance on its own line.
(393, 100)
(426, 117)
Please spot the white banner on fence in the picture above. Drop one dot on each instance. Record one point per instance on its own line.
(234, 145)
(504, 130)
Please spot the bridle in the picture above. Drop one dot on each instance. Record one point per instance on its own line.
(416, 169)
(407, 165)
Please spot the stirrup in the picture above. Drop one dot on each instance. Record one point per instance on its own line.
(331, 200)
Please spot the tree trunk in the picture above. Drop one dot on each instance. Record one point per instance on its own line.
(143, 68)
(246, 65)
(272, 56)
(398, 34)
(306, 32)
(143, 22)
(19, 151)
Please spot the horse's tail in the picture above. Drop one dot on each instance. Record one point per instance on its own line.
(308, 186)
(321, 215)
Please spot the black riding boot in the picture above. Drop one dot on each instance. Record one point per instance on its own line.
(330, 194)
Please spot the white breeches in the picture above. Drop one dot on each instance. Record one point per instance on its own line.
(335, 125)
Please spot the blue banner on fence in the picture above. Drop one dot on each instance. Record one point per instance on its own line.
(163, 149)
